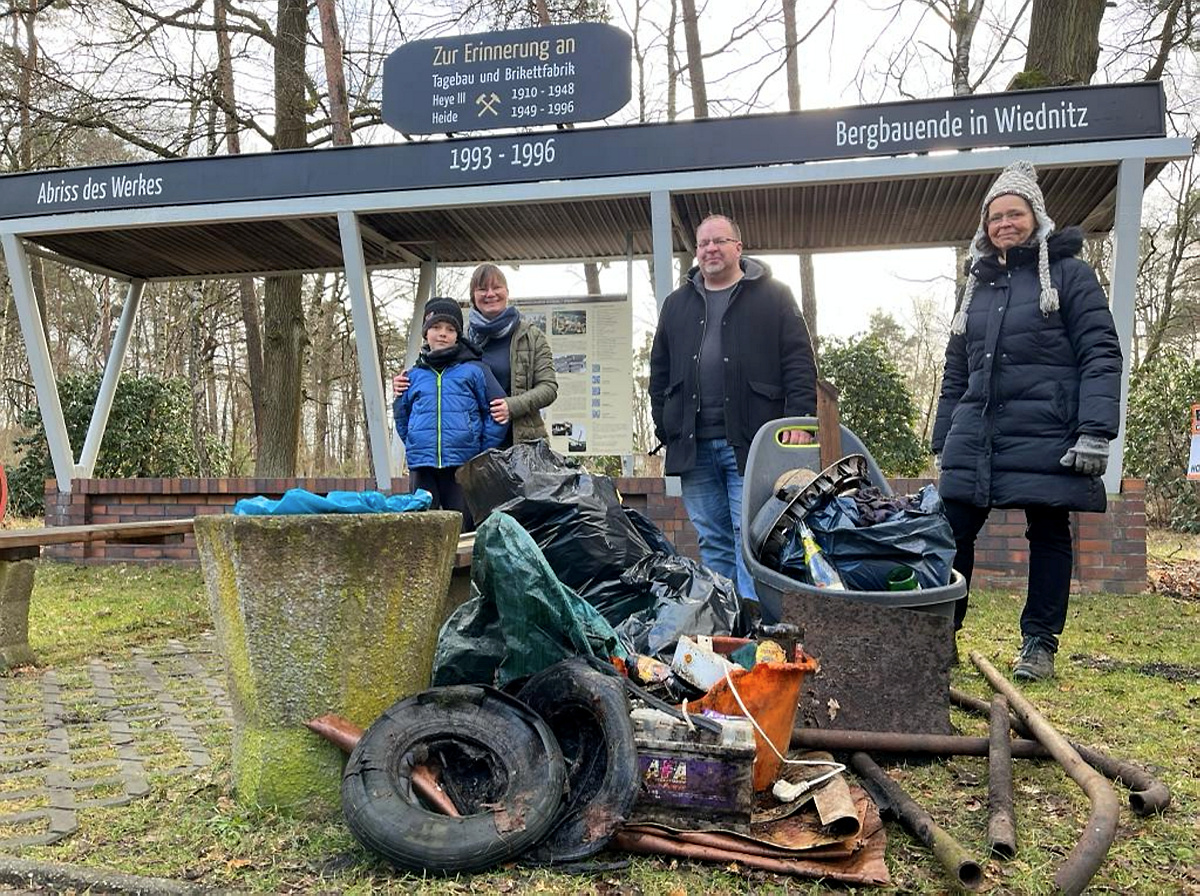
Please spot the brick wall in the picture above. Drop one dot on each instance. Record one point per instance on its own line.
(1110, 548)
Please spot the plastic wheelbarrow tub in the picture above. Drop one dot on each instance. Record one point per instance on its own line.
(767, 461)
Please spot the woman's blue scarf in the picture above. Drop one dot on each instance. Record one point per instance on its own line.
(483, 330)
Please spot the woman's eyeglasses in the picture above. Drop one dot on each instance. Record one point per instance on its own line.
(1015, 214)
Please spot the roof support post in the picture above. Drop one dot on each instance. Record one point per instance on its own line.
(364, 339)
(660, 230)
(108, 385)
(1127, 225)
(57, 439)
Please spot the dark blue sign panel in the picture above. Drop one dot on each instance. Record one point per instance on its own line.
(550, 75)
(1027, 118)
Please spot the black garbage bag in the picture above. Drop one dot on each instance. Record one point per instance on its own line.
(574, 516)
(651, 533)
(865, 544)
(689, 599)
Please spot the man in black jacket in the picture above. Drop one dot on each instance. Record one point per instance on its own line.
(731, 352)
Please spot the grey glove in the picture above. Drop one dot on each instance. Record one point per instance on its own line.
(937, 465)
(1089, 456)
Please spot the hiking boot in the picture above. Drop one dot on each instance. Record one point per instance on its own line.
(1035, 662)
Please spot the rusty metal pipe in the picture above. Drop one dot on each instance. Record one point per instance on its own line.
(1081, 865)
(649, 844)
(340, 732)
(849, 740)
(344, 735)
(1002, 822)
(1147, 794)
(894, 800)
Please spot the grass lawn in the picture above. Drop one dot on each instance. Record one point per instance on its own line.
(1129, 683)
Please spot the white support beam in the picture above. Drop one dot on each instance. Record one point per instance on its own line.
(1058, 155)
(1127, 227)
(660, 227)
(368, 355)
(59, 442)
(108, 385)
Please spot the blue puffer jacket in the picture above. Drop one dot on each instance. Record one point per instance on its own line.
(1020, 387)
(443, 417)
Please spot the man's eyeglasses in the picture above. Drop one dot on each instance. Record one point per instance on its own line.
(1013, 214)
(719, 241)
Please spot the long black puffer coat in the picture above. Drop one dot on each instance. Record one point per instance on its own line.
(1019, 387)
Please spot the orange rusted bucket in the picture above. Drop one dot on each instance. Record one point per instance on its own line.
(771, 692)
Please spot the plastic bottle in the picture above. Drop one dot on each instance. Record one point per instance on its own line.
(820, 570)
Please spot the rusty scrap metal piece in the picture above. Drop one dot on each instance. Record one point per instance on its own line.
(1147, 794)
(426, 784)
(340, 732)
(1073, 875)
(900, 742)
(894, 800)
(1002, 822)
(344, 734)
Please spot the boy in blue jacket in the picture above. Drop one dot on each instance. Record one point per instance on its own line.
(443, 418)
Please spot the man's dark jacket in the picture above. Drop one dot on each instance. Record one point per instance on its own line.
(1020, 387)
(769, 366)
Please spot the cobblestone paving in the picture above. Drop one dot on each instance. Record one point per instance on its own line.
(73, 739)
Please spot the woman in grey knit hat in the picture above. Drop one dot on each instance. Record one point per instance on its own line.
(1030, 399)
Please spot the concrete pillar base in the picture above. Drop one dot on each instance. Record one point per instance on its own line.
(16, 587)
(316, 614)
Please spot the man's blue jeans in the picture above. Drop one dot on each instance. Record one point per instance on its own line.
(712, 495)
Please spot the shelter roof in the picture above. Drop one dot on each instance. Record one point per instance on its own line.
(809, 181)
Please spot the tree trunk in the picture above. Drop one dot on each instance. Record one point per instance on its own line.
(196, 379)
(966, 17)
(808, 279)
(335, 74)
(1064, 42)
(283, 366)
(672, 69)
(285, 337)
(325, 313)
(27, 64)
(695, 61)
(248, 299)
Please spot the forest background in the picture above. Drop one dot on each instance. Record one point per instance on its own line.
(259, 376)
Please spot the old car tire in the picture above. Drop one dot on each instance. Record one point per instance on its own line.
(589, 714)
(498, 761)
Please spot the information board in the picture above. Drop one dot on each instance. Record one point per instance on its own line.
(550, 75)
(592, 341)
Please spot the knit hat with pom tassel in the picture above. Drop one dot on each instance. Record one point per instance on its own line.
(1018, 179)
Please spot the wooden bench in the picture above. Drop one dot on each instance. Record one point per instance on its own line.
(20, 547)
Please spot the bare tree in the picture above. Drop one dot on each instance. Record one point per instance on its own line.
(695, 59)
(284, 335)
(1064, 43)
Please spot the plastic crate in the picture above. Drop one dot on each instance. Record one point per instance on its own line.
(767, 461)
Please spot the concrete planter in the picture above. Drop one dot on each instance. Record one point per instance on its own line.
(315, 614)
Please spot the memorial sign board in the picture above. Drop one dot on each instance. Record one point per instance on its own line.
(550, 75)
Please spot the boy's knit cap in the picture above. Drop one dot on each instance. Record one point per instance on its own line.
(440, 308)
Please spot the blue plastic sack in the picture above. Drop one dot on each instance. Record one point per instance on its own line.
(299, 500)
(864, 553)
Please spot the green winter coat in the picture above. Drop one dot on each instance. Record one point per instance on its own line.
(534, 385)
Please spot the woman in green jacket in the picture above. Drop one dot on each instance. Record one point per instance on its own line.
(517, 353)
